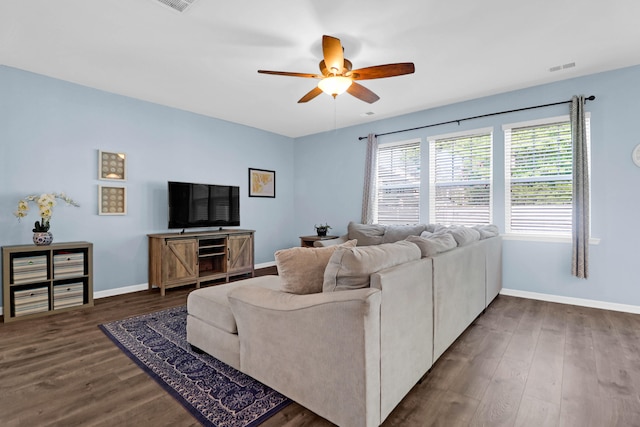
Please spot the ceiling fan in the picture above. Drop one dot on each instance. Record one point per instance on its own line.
(336, 74)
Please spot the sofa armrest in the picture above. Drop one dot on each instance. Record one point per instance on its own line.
(330, 242)
(321, 350)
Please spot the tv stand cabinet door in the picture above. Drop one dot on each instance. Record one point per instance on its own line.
(179, 262)
(240, 254)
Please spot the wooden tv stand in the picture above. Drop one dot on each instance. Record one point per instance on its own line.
(179, 259)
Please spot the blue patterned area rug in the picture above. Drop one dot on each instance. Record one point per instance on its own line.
(215, 393)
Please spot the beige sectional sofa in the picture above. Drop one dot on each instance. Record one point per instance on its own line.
(353, 348)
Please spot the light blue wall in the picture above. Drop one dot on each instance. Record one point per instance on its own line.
(50, 134)
(331, 189)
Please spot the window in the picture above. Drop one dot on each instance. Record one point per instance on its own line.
(460, 177)
(398, 183)
(539, 177)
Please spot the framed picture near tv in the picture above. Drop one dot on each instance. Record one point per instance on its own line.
(112, 200)
(262, 183)
(112, 166)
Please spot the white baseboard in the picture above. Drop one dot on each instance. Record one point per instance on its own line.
(509, 292)
(265, 265)
(112, 292)
(572, 301)
(626, 308)
(120, 291)
(144, 286)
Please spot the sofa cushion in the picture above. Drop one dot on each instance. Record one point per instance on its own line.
(211, 305)
(464, 235)
(350, 268)
(366, 234)
(395, 233)
(487, 231)
(301, 270)
(431, 244)
(436, 228)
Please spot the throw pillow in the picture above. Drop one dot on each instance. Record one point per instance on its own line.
(464, 235)
(395, 233)
(350, 268)
(433, 244)
(366, 234)
(301, 270)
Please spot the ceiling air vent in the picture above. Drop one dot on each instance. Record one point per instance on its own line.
(179, 5)
(562, 67)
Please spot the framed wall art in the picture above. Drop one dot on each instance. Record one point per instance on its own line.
(112, 166)
(112, 200)
(262, 183)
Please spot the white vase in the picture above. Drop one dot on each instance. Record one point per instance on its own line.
(42, 238)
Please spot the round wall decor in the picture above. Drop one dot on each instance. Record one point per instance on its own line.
(636, 155)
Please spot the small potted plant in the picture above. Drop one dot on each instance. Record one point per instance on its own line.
(322, 229)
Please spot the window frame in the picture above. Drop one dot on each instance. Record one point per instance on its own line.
(379, 183)
(432, 140)
(537, 235)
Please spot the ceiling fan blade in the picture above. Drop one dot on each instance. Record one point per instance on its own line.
(382, 71)
(286, 73)
(312, 94)
(333, 54)
(362, 93)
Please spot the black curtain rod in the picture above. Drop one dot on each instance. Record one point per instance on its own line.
(590, 98)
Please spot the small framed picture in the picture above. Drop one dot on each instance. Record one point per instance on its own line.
(112, 200)
(262, 183)
(112, 166)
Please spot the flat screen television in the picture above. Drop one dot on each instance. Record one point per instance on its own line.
(203, 205)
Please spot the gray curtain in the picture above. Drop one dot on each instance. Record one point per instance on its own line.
(580, 235)
(370, 174)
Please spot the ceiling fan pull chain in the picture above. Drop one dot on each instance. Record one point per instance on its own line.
(335, 114)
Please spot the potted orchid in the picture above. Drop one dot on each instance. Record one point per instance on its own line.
(45, 202)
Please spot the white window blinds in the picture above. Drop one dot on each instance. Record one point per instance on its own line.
(398, 183)
(539, 178)
(460, 176)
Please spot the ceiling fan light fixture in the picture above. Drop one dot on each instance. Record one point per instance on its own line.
(335, 85)
(337, 76)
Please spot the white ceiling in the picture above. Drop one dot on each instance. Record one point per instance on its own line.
(205, 59)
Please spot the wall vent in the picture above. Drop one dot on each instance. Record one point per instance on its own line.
(179, 5)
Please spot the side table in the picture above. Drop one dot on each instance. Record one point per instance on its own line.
(307, 241)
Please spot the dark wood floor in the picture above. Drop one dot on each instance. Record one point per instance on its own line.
(522, 363)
